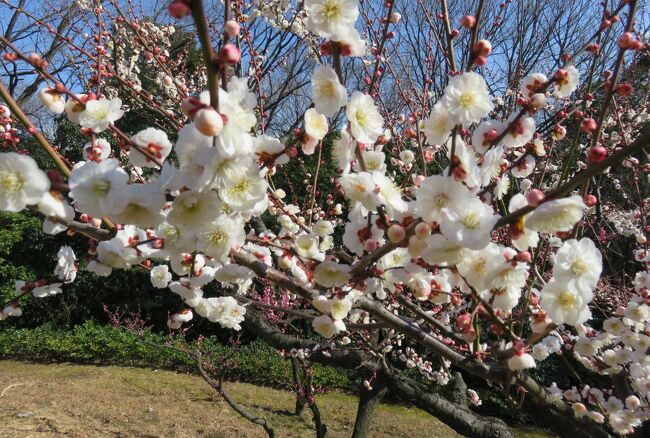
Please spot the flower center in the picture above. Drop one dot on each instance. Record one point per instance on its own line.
(471, 221)
(327, 88)
(242, 186)
(466, 99)
(332, 10)
(10, 181)
(216, 237)
(362, 117)
(566, 299)
(101, 187)
(579, 267)
(441, 201)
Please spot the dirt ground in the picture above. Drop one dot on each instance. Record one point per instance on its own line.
(87, 401)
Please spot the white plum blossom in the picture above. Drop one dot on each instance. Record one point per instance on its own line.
(220, 236)
(467, 98)
(52, 99)
(152, 140)
(22, 183)
(327, 92)
(66, 269)
(98, 189)
(556, 215)
(99, 150)
(100, 113)
(579, 260)
(326, 326)
(436, 195)
(175, 321)
(567, 82)
(160, 276)
(331, 274)
(331, 19)
(366, 124)
(565, 303)
(437, 128)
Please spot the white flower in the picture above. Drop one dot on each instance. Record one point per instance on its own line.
(564, 303)
(235, 275)
(52, 100)
(340, 308)
(151, 140)
(524, 168)
(520, 133)
(326, 326)
(389, 194)
(175, 321)
(53, 205)
(467, 98)
(192, 295)
(469, 223)
(331, 274)
(315, 124)
(22, 183)
(99, 113)
(307, 246)
(73, 108)
(531, 84)
(360, 187)
(351, 43)
(567, 83)
(343, 151)
(66, 269)
(441, 250)
(160, 276)
(436, 195)
(226, 312)
(331, 18)
(193, 210)
(47, 290)
(366, 124)
(327, 93)
(243, 191)
(220, 236)
(270, 150)
(142, 206)
(521, 362)
(98, 189)
(527, 238)
(485, 133)
(115, 254)
(437, 128)
(100, 151)
(557, 215)
(323, 228)
(579, 260)
(357, 232)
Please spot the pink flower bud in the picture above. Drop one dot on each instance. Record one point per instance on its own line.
(626, 40)
(231, 28)
(417, 180)
(396, 233)
(480, 61)
(179, 9)
(596, 154)
(483, 48)
(590, 200)
(370, 245)
(209, 122)
(468, 21)
(535, 197)
(588, 125)
(422, 230)
(229, 54)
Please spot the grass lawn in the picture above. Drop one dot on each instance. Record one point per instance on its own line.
(62, 400)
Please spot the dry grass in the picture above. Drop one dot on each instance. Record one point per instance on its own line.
(87, 401)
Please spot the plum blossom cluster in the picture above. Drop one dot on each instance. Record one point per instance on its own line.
(462, 246)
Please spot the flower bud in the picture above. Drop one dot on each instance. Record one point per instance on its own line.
(535, 197)
(209, 122)
(231, 28)
(590, 200)
(179, 9)
(596, 154)
(422, 230)
(395, 17)
(468, 21)
(588, 125)
(229, 54)
(396, 233)
(483, 48)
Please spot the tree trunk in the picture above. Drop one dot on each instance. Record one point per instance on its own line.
(368, 401)
(459, 418)
(301, 401)
(457, 389)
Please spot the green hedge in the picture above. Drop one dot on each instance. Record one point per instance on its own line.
(255, 362)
